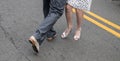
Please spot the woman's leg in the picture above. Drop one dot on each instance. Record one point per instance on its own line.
(68, 13)
(79, 15)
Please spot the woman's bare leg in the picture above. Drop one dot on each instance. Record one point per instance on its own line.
(68, 13)
(79, 15)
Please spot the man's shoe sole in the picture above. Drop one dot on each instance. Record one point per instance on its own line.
(33, 46)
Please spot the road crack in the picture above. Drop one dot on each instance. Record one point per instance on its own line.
(8, 36)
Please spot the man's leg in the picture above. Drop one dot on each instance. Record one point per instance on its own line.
(56, 10)
(46, 6)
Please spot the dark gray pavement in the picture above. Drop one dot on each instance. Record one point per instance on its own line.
(20, 18)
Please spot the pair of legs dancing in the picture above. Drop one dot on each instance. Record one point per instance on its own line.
(79, 16)
(53, 10)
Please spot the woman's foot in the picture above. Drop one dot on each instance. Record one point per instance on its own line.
(77, 34)
(66, 33)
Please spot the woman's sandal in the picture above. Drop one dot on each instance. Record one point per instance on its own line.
(65, 33)
(77, 35)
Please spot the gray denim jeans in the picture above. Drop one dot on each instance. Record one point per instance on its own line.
(55, 11)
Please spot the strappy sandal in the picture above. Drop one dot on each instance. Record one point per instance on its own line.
(65, 33)
(77, 36)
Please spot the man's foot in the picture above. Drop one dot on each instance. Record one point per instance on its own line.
(51, 36)
(34, 43)
(66, 33)
(77, 34)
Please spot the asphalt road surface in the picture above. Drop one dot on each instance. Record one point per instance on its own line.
(20, 18)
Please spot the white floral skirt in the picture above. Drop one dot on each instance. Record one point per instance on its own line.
(80, 4)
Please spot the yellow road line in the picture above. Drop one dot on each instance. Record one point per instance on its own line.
(73, 10)
(104, 20)
(102, 26)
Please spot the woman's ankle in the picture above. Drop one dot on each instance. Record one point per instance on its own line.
(78, 29)
(69, 27)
